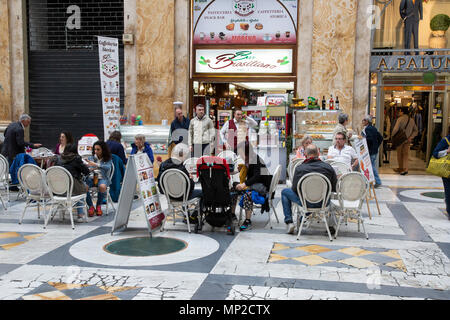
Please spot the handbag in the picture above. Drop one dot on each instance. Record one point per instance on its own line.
(260, 188)
(440, 167)
(400, 137)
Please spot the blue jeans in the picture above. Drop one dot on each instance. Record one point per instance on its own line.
(373, 159)
(100, 196)
(446, 182)
(287, 197)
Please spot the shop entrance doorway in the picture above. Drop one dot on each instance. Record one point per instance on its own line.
(428, 110)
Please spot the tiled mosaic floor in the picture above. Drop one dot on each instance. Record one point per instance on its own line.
(406, 256)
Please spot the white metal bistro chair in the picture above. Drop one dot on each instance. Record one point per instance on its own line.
(175, 184)
(94, 190)
(329, 161)
(191, 167)
(294, 164)
(313, 188)
(340, 168)
(32, 180)
(351, 189)
(60, 184)
(4, 178)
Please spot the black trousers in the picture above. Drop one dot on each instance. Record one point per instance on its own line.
(411, 28)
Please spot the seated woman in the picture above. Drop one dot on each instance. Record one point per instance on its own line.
(257, 173)
(100, 164)
(65, 138)
(73, 163)
(115, 145)
(179, 154)
(306, 141)
(140, 146)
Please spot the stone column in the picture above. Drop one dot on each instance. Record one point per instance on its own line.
(362, 63)
(305, 31)
(333, 50)
(5, 66)
(155, 59)
(130, 21)
(182, 53)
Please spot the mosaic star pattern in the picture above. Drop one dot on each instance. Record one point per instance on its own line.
(336, 256)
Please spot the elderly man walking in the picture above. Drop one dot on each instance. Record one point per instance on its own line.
(14, 138)
(201, 133)
(178, 128)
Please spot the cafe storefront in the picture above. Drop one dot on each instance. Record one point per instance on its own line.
(244, 55)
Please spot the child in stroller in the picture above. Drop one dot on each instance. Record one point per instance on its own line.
(214, 176)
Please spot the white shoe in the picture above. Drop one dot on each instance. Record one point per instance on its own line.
(290, 228)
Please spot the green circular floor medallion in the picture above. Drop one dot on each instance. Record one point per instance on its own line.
(145, 246)
(434, 195)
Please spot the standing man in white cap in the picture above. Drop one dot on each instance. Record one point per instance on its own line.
(178, 128)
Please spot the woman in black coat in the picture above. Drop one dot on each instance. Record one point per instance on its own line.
(71, 161)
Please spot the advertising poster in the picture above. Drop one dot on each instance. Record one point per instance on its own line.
(365, 165)
(245, 21)
(86, 143)
(108, 50)
(243, 61)
(148, 190)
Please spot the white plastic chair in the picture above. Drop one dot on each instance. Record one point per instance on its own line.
(351, 189)
(191, 167)
(32, 180)
(4, 178)
(174, 184)
(313, 188)
(60, 182)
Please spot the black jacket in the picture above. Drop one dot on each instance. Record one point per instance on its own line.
(374, 139)
(410, 10)
(258, 173)
(169, 164)
(14, 142)
(314, 165)
(73, 163)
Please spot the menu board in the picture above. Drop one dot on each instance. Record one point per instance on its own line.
(148, 190)
(365, 165)
(245, 21)
(108, 50)
(139, 172)
(86, 143)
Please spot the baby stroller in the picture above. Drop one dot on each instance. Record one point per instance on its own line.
(214, 176)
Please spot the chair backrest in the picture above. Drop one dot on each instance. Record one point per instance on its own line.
(175, 184)
(228, 155)
(32, 178)
(4, 168)
(340, 168)
(44, 152)
(329, 161)
(291, 165)
(191, 165)
(111, 174)
(352, 186)
(59, 181)
(314, 188)
(275, 180)
(297, 163)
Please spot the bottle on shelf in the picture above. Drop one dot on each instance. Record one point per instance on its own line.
(337, 103)
(331, 103)
(324, 103)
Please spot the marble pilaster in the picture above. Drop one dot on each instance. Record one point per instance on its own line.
(5, 64)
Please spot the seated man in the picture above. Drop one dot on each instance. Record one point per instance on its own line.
(311, 164)
(342, 152)
(179, 154)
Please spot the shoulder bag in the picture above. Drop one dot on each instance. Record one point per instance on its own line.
(440, 167)
(400, 136)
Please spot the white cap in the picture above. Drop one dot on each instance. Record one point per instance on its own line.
(178, 102)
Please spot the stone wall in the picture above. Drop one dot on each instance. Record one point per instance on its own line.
(5, 65)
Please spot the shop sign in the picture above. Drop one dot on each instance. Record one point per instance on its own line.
(245, 21)
(409, 63)
(108, 50)
(243, 61)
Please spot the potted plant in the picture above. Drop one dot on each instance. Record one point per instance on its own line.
(439, 25)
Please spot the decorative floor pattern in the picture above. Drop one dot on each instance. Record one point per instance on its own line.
(336, 256)
(67, 291)
(10, 240)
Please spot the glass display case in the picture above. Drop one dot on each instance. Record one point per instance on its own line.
(156, 135)
(319, 124)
